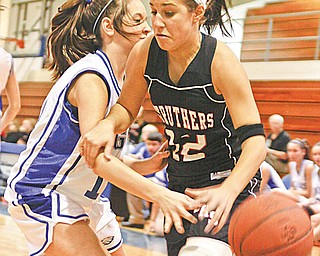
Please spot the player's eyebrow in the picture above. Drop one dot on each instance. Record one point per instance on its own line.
(165, 4)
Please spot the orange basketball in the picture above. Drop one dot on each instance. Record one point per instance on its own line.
(270, 225)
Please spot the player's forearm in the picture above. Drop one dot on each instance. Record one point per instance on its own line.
(9, 115)
(279, 154)
(125, 178)
(141, 166)
(119, 118)
(253, 154)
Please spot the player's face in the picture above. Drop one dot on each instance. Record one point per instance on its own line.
(295, 152)
(135, 21)
(172, 23)
(316, 154)
(152, 146)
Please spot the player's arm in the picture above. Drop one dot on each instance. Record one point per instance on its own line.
(125, 111)
(277, 153)
(230, 79)
(13, 95)
(174, 205)
(155, 163)
(235, 87)
(89, 94)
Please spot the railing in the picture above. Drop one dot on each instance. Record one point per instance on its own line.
(266, 42)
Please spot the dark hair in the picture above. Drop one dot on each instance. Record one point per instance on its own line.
(155, 136)
(214, 15)
(72, 35)
(304, 144)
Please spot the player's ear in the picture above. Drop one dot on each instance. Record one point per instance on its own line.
(198, 13)
(107, 26)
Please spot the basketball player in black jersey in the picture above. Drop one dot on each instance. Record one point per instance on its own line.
(203, 96)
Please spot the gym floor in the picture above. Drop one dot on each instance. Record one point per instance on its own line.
(136, 242)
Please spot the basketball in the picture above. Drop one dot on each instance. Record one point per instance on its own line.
(270, 225)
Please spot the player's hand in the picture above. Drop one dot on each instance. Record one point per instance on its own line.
(92, 143)
(175, 206)
(217, 202)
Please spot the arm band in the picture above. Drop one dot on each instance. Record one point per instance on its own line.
(246, 131)
(308, 209)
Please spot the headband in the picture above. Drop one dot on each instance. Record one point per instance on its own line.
(301, 143)
(99, 16)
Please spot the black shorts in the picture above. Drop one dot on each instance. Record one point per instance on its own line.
(175, 240)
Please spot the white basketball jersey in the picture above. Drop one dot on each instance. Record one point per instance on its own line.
(52, 161)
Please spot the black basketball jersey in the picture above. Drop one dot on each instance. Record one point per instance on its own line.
(198, 125)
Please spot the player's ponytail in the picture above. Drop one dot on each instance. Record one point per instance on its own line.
(216, 13)
(72, 35)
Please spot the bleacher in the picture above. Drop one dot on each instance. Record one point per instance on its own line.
(282, 31)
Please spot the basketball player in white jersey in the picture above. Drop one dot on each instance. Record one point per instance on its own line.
(53, 196)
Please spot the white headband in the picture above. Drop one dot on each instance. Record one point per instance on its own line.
(99, 16)
(203, 2)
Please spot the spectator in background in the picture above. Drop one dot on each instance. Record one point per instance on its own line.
(138, 208)
(270, 178)
(26, 128)
(313, 203)
(9, 85)
(135, 129)
(146, 130)
(276, 143)
(300, 167)
(19, 133)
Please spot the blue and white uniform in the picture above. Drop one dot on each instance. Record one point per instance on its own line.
(51, 182)
(275, 180)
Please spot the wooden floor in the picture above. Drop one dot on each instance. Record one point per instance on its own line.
(13, 243)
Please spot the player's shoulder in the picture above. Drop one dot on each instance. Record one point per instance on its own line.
(142, 47)
(140, 52)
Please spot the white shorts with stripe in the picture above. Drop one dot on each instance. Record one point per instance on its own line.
(37, 217)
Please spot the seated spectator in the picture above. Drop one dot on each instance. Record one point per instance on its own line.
(314, 204)
(26, 127)
(137, 207)
(276, 143)
(20, 133)
(300, 167)
(14, 134)
(270, 178)
(146, 130)
(135, 129)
